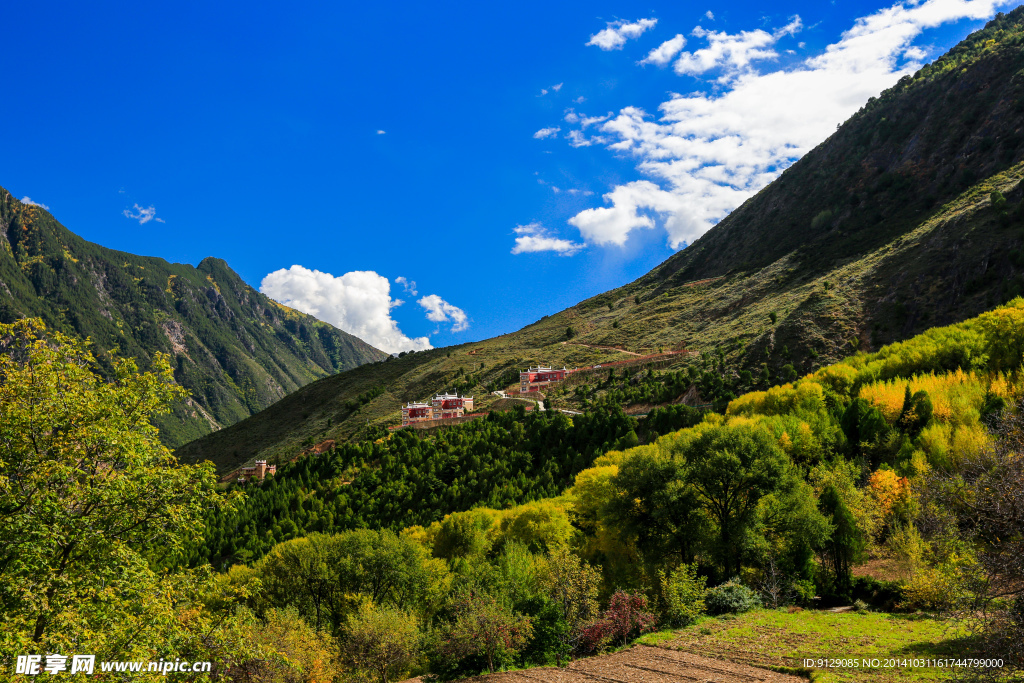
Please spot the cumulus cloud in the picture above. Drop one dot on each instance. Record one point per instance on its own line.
(533, 238)
(408, 285)
(710, 15)
(143, 214)
(705, 154)
(666, 52)
(27, 200)
(615, 35)
(546, 133)
(358, 302)
(439, 311)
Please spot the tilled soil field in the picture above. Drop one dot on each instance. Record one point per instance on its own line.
(643, 663)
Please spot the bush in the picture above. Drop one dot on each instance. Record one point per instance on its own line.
(883, 595)
(821, 220)
(482, 632)
(380, 643)
(731, 597)
(626, 617)
(550, 632)
(685, 594)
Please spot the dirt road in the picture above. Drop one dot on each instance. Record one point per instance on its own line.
(643, 664)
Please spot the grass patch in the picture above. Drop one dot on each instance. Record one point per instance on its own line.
(657, 638)
(781, 641)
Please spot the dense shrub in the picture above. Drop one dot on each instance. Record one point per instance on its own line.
(685, 594)
(626, 617)
(883, 595)
(732, 597)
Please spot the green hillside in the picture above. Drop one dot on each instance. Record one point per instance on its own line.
(857, 408)
(233, 348)
(909, 216)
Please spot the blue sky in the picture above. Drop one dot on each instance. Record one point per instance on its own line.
(327, 151)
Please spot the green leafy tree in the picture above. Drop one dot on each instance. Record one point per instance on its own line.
(655, 507)
(684, 593)
(462, 534)
(789, 373)
(85, 487)
(285, 650)
(540, 526)
(845, 546)
(573, 585)
(380, 643)
(327, 577)
(730, 469)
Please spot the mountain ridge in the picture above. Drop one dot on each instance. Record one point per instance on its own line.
(952, 123)
(235, 349)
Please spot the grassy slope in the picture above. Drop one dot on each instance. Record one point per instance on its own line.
(910, 240)
(234, 349)
(773, 638)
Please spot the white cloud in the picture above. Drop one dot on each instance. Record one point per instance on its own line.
(664, 53)
(553, 88)
(439, 311)
(707, 153)
(615, 35)
(734, 53)
(586, 121)
(580, 100)
(27, 200)
(533, 238)
(359, 303)
(576, 138)
(382, 132)
(143, 215)
(408, 285)
(794, 27)
(710, 15)
(557, 87)
(546, 133)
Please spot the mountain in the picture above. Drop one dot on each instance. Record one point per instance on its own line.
(236, 350)
(908, 217)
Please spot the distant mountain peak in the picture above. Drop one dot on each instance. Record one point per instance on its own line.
(236, 350)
